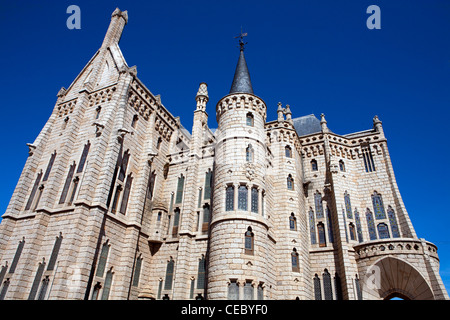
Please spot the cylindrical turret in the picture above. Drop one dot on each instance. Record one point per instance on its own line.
(239, 243)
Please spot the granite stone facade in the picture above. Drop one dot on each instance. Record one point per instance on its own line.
(117, 200)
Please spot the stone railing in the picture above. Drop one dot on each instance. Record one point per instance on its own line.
(381, 247)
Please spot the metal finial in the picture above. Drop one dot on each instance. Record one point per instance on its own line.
(241, 38)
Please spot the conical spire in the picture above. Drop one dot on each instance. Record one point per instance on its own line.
(241, 81)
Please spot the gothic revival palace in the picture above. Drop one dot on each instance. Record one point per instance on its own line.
(117, 200)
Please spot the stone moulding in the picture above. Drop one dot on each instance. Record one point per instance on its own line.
(395, 246)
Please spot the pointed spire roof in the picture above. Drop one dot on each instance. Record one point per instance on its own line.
(241, 82)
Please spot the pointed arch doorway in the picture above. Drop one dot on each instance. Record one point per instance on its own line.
(391, 277)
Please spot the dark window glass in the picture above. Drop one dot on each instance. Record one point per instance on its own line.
(83, 157)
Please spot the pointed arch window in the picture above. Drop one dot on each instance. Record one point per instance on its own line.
(34, 190)
(292, 222)
(242, 197)
(371, 225)
(288, 152)
(312, 224)
(44, 286)
(321, 233)
(317, 288)
(17, 255)
(206, 218)
(169, 274)
(341, 166)
(338, 286)
(290, 182)
(383, 231)
(96, 291)
(201, 283)
(295, 261)
(37, 281)
(176, 221)
(330, 228)
(126, 194)
(158, 143)
(229, 198)
(75, 181)
(249, 241)
(327, 289)
(351, 229)
(208, 183)
(378, 207)
(314, 165)
(318, 205)
(180, 187)
(55, 251)
(107, 287)
(358, 288)
(98, 110)
(84, 155)
(348, 205)
(134, 121)
(123, 165)
(249, 153)
(49, 166)
(102, 261)
(151, 184)
(393, 222)
(137, 270)
(249, 119)
(358, 226)
(368, 158)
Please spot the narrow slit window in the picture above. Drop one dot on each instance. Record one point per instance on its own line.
(67, 183)
(295, 261)
(102, 261)
(84, 155)
(33, 191)
(169, 274)
(180, 187)
(288, 152)
(249, 241)
(321, 232)
(249, 119)
(314, 165)
(290, 182)
(201, 283)
(134, 121)
(126, 194)
(292, 222)
(254, 200)
(49, 166)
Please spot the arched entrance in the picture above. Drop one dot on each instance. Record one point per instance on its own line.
(392, 277)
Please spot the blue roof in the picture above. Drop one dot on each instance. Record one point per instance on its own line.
(307, 125)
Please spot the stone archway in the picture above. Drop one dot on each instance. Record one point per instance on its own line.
(393, 277)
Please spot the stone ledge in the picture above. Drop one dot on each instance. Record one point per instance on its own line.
(395, 246)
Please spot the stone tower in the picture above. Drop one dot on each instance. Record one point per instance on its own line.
(240, 246)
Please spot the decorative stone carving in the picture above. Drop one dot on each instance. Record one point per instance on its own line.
(250, 171)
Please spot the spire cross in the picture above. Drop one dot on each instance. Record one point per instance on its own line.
(241, 38)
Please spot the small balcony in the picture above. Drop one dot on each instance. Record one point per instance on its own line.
(382, 247)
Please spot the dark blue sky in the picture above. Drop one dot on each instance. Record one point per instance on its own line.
(316, 56)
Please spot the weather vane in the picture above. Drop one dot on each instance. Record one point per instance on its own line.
(241, 38)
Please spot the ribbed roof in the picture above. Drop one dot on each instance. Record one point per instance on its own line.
(306, 125)
(241, 82)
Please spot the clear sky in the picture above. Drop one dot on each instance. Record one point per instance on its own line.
(317, 56)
